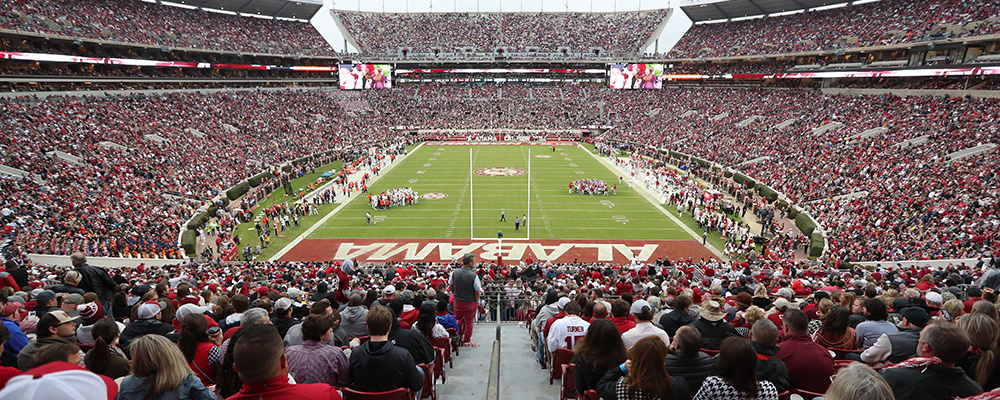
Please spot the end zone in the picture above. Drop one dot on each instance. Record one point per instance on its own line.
(447, 250)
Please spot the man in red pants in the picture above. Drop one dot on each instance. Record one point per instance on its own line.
(465, 285)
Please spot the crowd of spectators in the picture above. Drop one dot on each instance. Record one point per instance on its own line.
(909, 203)
(884, 22)
(148, 23)
(133, 201)
(366, 327)
(618, 33)
(939, 208)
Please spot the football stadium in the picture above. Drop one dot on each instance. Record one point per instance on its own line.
(490, 199)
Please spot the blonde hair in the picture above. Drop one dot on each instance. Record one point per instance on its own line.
(760, 292)
(983, 333)
(157, 356)
(954, 308)
(858, 381)
(753, 314)
(825, 306)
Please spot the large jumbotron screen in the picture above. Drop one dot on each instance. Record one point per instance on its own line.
(635, 76)
(365, 76)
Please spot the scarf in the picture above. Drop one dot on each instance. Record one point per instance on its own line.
(917, 362)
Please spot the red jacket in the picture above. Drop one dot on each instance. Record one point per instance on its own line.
(810, 365)
(623, 323)
(278, 389)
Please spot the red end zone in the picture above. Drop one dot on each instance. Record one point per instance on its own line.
(438, 250)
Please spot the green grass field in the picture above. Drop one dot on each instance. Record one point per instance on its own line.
(554, 213)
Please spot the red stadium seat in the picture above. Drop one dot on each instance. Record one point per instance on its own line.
(806, 395)
(444, 343)
(430, 389)
(710, 352)
(568, 382)
(590, 395)
(452, 332)
(439, 364)
(560, 357)
(839, 354)
(397, 394)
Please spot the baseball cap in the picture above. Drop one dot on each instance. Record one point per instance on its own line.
(638, 305)
(59, 380)
(917, 316)
(149, 310)
(187, 309)
(563, 301)
(295, 293)
(44, 297)
(73, 298)
(934, 297)
(283, 303)
(62, 317)
(389, 290)
(781, 304)
(785, 292)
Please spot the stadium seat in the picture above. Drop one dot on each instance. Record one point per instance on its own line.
(452, 332)
(445, 344)
(560, 357)
(396, 394)
(806, 395)
(439, 364)
(710, 352)
(568, 382)
(839, 354)
(590, 395)
(430, 389)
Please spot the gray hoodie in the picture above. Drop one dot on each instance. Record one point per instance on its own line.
(352, 321)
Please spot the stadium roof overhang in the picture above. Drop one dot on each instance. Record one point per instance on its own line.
(730, 9)
(295, 9)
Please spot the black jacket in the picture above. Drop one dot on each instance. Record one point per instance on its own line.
(586, 377)
(381, 366)
(413, 341)
(935, 382)
(693, 369)
(20, 276)
(675, 319)
(283, 322)
(64, 288)
(97, 280)
(606, 388)
(772, 369)
(144, 327)
(714, 332)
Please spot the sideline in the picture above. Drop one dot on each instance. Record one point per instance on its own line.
(653, 200)
(343, 202)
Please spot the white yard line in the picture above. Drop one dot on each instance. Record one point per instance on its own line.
(343, 202)
(652, 199)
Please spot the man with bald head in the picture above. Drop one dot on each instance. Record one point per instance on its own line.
(94, 279)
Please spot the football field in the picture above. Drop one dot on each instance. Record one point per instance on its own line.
(463, 189)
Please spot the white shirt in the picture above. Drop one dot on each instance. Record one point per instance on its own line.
(566, 331)
(641, 330)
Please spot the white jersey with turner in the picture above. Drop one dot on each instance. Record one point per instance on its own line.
(566, 331)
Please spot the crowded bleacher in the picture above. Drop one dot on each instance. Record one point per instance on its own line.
(140, 22)
(878, 23)
(618, 33)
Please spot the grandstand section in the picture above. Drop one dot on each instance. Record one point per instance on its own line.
(881, 23)
(508, 35)
(155, 25)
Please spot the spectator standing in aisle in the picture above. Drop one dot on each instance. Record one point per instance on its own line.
(465, 285)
